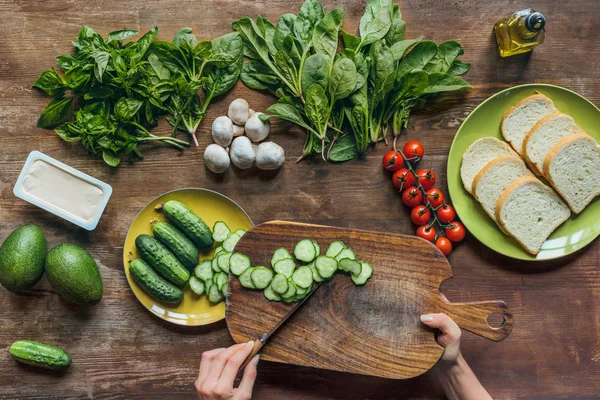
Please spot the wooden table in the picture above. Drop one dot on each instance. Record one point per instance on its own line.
(121, 351)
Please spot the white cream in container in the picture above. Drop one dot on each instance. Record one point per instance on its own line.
(62, 190)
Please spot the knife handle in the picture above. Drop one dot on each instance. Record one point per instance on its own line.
(258, 345)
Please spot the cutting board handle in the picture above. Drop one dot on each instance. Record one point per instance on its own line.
(473, 317)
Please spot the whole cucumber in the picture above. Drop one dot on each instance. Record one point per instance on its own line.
(153, 284)
(189, 223)
(40, 355)
(178, 243)
(162, 260)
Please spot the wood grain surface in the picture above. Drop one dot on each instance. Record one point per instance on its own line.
(372, 329)
(121, 351)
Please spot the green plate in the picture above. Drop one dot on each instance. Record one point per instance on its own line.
(579, 230)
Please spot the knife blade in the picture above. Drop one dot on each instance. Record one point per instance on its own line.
(264, 337)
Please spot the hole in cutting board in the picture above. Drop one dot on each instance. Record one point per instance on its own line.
(495, 320)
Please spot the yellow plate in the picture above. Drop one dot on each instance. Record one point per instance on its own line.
(211, 207)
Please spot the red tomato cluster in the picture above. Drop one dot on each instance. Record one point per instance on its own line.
(436, 219)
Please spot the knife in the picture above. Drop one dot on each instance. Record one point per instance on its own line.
(262, 340)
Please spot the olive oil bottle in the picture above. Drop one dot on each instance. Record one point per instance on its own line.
(520, 32)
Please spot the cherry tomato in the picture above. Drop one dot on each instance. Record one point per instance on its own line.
(420, 215)
(444, 245)
(413, 150)
(446, 213)
(426, 177)
(426, 232)
(392, 161)
(412, 196)
(456, 232)
(403, 178)
(435, 197)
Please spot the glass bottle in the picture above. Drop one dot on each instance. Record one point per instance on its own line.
(520, 32)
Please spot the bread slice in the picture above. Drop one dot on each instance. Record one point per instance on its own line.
(530, 211)
(522, 117)
(573, 168)
(497, 175)
(544, 135)
(478, 155)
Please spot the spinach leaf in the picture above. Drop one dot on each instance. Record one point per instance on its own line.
(342, 80)
(289, 113)
(310, 14)
(317, 108)
(316, 71)
(440, 82)
(350, 41)
(258, 76)
(57, 112)
(268, 31)
(398, 49)
(344, 149)
(185, 37)
(376, 21)
(222, 79)
(383, 71)
(418, 57)
(284, 28)
(459, 68)
(326, 33)
(397, 29)
(51, 83)
(446, 54)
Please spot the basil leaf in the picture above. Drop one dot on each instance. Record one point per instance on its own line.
(111, 158)
(445, 83)
(459, 68)
(316, 70)
(55, 113)
(376, 21)
(51, 83)
(418, 57)
(66, 62)
(399, 48)
(126, 108)
(310, 14)
(284, 28)
(342, 80)
(317, 108)
(67, 134)
(77, 77)
(326, 33)
(169, 55)
(158, 67)
(117, 36)
(343, 149)
(101, 58)
(142, 45)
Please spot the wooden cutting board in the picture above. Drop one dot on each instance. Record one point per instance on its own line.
(372, 329)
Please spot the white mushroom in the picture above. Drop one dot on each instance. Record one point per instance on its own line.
(239, 111)
(256, 129)
(222, 131)
(242, 154)
(251, 112)
(269, 156)
(216, 158)
(238, 130)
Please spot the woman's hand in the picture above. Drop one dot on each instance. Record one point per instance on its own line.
(449, 337)
(218, 370)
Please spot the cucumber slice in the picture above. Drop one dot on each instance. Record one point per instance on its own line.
(271, 295)
(220, 231)
(326, 266)
(231, 241)
(217, 251)
(351, 266)
(207, 285)
(246, 278)
(223, 261)
(334, 249)
(291, 292)
(196, 285)
(316, 276)
(221, 280)
(285, 267)
(279, 284)
(280, 254)
(345, 253)
(225, 289)
(215, 264)
(317, 248)
(301, 292)
(238, 263)
(305, 250)
(303, 277)
(214, 295)
(240, 232)
(365, 273)
(204, 270)
(261, 277)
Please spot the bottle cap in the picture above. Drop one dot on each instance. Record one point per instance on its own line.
(535, 22)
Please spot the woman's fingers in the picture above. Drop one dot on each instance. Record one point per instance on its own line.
(217, 366)
(205, 365)
(233, 366)
(450, 333)
(244, 391)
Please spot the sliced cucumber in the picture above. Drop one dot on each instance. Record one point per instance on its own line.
(217, 251)
(215, 264)
(261, 277)
(351, 266)
(204, 270)
(303, 277)
(279, 283)
(214, 295)
(301, 292)
(246, 278)
(317, 248)
(326, 266)
(280, 254)
(207, 285)
(291, 292)
(365, 273)
(285, 267)
(305, 250)
(334, 249)
(220, 231)
(231, 241)
(240, 232)
(238, 263)
(271, 295)
(225, 289)
(221, 280)
(345, 253)
(223, 261)
(316, 276)
(196, 285)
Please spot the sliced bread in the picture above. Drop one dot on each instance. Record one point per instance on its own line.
(522, 117)
(530, 211)
(544, 135)
(573, 168)
(497, 175)
(478, 155)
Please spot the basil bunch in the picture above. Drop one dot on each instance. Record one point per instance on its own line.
(346, 98)
(123, 89)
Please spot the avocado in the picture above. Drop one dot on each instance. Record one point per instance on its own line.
(73, 274)
(22, 258)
